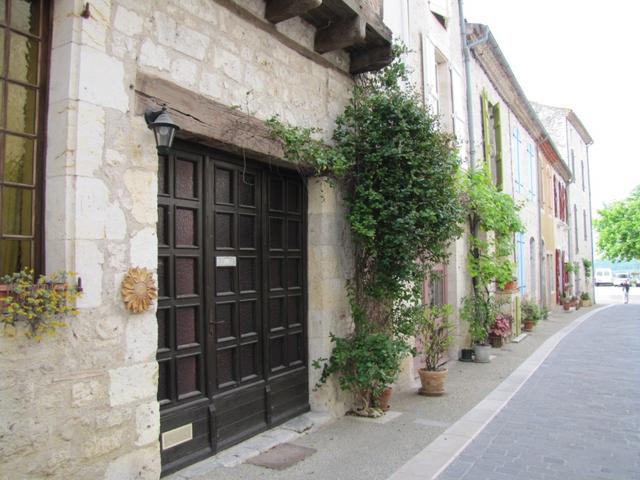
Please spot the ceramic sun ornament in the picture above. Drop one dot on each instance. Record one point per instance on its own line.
(138, 290)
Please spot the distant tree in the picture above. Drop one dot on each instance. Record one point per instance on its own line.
(619, 228)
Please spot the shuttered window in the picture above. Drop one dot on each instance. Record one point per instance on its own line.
(23, 80)
(492, 138)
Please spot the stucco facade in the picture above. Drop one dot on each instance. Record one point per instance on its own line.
(573, 140)
(517, 172)
(554, 176)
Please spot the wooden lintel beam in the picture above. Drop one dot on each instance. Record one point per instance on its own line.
(280, 10)
(341, 34)
(372, 59)
(207, 121)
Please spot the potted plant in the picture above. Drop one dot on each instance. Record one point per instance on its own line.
(585, 299)
(38, 304)
(365, 363)
(500, 329)
(511, 285)
(479, 310)
(435, 331)
(531, 315)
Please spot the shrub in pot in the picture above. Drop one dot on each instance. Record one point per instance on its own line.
(365, 363)
(531, 315)
(500, 329)
(436, 333)
(585, 299)
(480, 311)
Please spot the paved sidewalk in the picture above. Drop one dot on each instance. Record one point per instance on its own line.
(357, 449)
(576, 418)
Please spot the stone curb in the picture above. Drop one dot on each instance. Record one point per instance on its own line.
(437, 456)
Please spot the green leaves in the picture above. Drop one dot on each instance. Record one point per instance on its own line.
(363, 362)
(436, 333)
(619, 229)
(40, 304)
(404, 207)
(496, 215)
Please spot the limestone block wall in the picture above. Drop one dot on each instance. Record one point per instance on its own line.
(83, 404)
(330, 258)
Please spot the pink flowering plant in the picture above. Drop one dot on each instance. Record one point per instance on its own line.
(501, 327)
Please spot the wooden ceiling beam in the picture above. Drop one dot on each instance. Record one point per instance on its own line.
(281, 10)
(343, 33)
(371, 59)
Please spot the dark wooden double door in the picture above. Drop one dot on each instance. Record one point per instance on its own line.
(232, 344)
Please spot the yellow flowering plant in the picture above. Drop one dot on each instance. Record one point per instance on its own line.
(41, 304)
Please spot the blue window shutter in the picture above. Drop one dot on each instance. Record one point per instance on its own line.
(530, 152)
(516, 148)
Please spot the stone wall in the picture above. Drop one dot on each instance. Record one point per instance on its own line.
(83, 404)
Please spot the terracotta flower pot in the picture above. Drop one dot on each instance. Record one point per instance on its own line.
(528, 325)
(432, 382)
(510, 286)
(382, 402)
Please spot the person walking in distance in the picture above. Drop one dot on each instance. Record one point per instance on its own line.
(625, 290)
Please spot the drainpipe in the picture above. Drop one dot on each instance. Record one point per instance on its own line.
(466, 50)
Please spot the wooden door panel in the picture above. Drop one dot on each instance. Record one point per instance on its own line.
(232, 347)
(182, 387)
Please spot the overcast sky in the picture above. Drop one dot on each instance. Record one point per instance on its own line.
(584, 55)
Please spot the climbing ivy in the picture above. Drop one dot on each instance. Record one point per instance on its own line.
(400, 172)
(493, 219)
(401, 177)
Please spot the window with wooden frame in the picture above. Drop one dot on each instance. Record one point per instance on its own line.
(24, 55)
(434, 287)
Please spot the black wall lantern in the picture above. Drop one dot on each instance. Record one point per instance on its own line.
(163, 127)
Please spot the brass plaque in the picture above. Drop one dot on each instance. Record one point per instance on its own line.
(177, 436)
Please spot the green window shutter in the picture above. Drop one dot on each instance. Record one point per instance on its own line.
(498, 132)
(485, 128)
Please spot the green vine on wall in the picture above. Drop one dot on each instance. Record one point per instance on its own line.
(493, 219)
(400, 172)
(401, 176)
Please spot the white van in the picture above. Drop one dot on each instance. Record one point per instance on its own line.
(604, 276)
(620, 278)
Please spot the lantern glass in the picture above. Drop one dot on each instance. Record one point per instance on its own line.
(163, 127)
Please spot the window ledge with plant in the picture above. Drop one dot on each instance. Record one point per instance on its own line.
(37, 307)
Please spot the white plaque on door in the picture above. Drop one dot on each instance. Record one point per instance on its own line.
(177, 436)
(225, 261)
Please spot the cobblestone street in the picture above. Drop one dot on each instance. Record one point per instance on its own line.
(577, 417)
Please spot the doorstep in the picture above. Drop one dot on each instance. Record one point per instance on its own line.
(254, 446)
